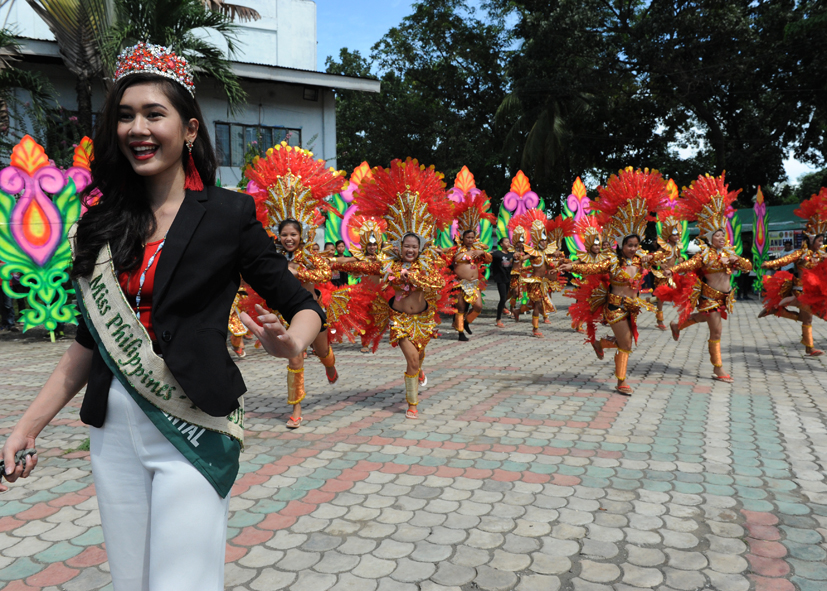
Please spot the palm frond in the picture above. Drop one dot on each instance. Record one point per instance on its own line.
(233, 11)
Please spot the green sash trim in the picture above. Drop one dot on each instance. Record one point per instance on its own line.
(211, 444)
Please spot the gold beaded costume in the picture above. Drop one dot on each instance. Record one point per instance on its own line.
(411, 200)
(624, 207)
(707, 201)
(806, 262)
(288, 184)
(469, 212)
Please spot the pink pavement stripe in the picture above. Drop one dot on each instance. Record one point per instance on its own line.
(766, 555)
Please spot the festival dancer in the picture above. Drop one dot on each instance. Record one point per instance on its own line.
(783, 289)
(290, 188)
(707, 286)
(369, 250)
(470, 257)
(235, 326)
(590, 233)
(517, 288)
(411, 199)
(669, 240)
(612, 289)
(544, 262)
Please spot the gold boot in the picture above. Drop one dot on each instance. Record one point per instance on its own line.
(717, 361)
(659, 318)
(295, 385)
(784, 313)
(411, 393)
(807, 341)
(535, 325)
(329, 360)
(621, 361)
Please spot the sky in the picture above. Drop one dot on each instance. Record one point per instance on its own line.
(359, 24)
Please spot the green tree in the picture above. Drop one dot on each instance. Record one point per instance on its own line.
(442, 73)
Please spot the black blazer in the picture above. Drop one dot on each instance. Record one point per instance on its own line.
(214, 238)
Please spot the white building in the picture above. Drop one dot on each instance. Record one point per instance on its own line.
(287, 97)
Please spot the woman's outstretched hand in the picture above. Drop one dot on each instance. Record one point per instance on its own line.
(272, 334)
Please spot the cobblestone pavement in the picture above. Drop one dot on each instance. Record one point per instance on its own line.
(525, 471)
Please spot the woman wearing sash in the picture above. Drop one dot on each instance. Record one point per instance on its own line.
(707, 283)
(157, 265)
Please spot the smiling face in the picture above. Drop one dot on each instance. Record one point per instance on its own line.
(410, 248)
(542, 244)
(595, 247)
(631, 246)
(340, 248)
(371, 249)
(718, 239)
(290, 238)
(673, 239)
(151, 133)
(818, 242)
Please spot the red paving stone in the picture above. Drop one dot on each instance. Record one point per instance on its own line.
(336, 485)
(275, 521)
(765, 584)
(38, 511)
(767, 549)
(92, 556)
(391, 468)
(763, 532)
(67, 500)
(9, 523)
(234, 553)
(19, 586)
(317, 497)
(768, 567)
(759, 517)
(419, 470)
(53, 575)
(297, 509)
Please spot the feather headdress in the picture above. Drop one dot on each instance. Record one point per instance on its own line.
(469, 213)
(589, 231)
(518, 232)
(626, 202)
(533, 223)
(814, 210)
(411, 198)
(558, 229)
(707, 201)
(292, 185)
(370, 231)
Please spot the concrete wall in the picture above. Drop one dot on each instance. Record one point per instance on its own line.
(285, 36)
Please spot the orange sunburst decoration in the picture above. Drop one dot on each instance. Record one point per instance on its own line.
(520, 184)
(672, 193)
(578, 189)
(29, 156)
(465, 180)
(361, 172)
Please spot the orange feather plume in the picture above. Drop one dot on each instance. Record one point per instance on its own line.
(626, 185)
(700, 193)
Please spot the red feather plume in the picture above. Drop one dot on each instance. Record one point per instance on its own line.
(479, 202)
(815, 206)
(587, 224)
(526, 219)
(358, 220)
(580, 310)
(699, 194)
(561, 224)
(628, 184)
(814, 295)
(376, 195)
(775, 288)
(285, 159)
(680, 294)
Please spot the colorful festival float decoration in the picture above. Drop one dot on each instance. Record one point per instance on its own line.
(516, 202)
(760, 246)
(733, 229)
(670, 211)
(465, 187)
(339, 225)
(39, 203)
(576, 206)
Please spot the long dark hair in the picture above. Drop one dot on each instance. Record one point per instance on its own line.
(122, 215)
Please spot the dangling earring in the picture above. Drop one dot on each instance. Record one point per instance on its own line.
(193, 182)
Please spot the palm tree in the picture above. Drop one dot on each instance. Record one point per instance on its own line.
(171, 23)
(233, 11)
(12, 78)
(79, 27)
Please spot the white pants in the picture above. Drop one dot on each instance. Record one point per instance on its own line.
(164, 525)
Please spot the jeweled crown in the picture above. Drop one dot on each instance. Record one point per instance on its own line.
(146, 58)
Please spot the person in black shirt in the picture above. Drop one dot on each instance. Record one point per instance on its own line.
(500, 273)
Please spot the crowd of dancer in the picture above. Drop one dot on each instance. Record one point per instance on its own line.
(407, 284)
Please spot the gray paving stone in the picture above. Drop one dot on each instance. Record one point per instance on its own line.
(270, 578)
(333, 563)
(409, 571)
(453, 574)
(349, 582)
(539, 583)
(598, 572)
(494, 580)
(371, 567)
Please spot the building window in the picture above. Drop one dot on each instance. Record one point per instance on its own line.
(232, 140)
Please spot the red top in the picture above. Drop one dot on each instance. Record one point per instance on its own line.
(130, 281)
